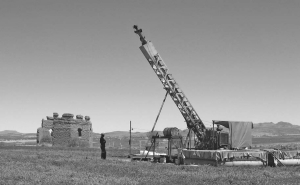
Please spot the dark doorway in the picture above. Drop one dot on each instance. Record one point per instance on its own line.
(79, 132)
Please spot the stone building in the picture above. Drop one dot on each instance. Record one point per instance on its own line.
(67, 131)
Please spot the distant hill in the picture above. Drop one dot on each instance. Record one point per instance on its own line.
(275, 129)
(14, 135)
(279, 124)
(10, 132)
(260, 129)
(265, 124)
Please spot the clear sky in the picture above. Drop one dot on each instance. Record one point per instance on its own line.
(234, 59)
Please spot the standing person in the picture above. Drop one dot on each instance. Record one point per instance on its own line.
(102, 146)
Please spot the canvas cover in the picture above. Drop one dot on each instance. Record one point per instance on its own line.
(239, 131)
(284, 154)
(222, 155)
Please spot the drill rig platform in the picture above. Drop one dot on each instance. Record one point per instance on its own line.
(212, 146)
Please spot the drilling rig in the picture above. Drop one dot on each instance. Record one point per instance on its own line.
(185, 107)
(205, 138)
(212, 146)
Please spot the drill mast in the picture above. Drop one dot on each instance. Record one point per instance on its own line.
(191, 117)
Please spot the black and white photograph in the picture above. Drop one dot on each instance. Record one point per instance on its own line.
(149, 92)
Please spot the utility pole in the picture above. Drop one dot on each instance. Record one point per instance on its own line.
(191, 133)
(130, 140)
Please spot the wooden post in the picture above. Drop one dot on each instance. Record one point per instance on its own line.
(213, 135)
(190, 140)
(170, 147)
(154, 149)
(130, 140)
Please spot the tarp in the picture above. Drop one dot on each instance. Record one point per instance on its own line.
(221, 155)
(285, 154)
(239, 133)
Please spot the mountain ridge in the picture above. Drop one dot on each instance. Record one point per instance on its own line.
(5, 132)
(260, 129)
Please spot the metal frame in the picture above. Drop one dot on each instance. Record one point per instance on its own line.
(169, 143)
(183, 104)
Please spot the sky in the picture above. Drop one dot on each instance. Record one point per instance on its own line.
(235, 60)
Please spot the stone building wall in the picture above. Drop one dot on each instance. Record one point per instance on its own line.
(67, 131)
(43, 136)
(47, 124)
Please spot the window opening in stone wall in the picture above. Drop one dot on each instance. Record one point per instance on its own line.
(51, 132)
(79, 132)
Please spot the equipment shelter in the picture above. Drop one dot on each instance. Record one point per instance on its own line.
(239, 133)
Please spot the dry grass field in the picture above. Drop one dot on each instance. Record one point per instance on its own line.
(42, 165)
